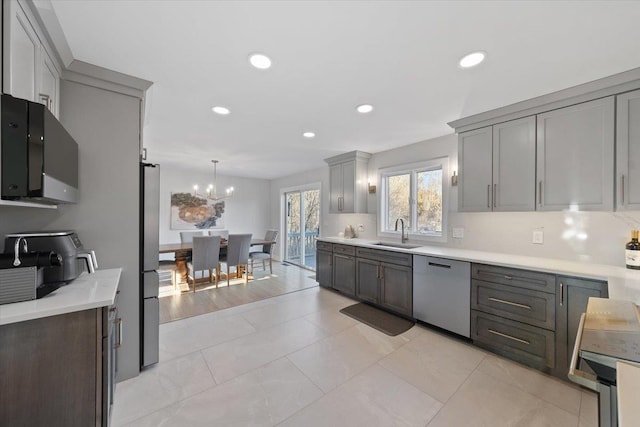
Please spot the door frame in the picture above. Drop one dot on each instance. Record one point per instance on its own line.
(303, 187)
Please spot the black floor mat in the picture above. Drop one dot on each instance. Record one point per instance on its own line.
(387, 323)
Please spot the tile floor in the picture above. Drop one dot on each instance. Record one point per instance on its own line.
(294, 360)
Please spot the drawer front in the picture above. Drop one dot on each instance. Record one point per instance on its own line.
(324, 246)
(513, 277)
(532, 307)
(518, 341)
(344, 249)
(391, 257)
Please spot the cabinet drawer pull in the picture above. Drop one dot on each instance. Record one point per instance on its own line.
(509, 337)
(515, 304)
(622, 190)
(118, 343)
(561, 294)
(488, 197)
(508, 277)
(435, 264)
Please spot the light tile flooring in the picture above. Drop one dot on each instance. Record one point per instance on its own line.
(294, 360)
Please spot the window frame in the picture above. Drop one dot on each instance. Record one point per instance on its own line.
(439, 163)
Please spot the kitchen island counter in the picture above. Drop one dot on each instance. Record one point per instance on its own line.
(622, 282)
(86, 292)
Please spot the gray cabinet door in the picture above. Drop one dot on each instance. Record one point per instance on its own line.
(335, 188)
(571, 301)
(368, 280)
(324, 268)
(514, 165)
(348, 187)
(628, 151)
(344, 274)
(575, 157)
(474, 167)
(396, 290)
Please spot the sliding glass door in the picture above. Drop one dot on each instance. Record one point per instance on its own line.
(302, 224)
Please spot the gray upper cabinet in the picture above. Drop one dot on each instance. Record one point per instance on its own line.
(497, 167)
(474, 164)
(348, 182)
(29, 71)
(628, 151)
(514, 165)
(575, 157)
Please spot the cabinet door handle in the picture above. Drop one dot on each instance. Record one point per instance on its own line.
(622, 189)
(488, 197)
(495, 194)
(382, 272)
(509, 337)
(435, 264)
(540, 193)
(377, 271)
(508, 277)
(561, 294)
(118, 343)
(515, 304)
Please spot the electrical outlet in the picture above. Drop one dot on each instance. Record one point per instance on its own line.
(361, 228)
(458, 233)
(538, 237)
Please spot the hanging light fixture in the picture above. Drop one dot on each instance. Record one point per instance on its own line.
(211, 192)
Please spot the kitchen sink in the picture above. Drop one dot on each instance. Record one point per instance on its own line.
(398, 245)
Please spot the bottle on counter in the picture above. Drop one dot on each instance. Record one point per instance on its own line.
(633, 252)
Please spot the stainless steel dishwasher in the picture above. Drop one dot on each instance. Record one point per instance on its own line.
(442, 293)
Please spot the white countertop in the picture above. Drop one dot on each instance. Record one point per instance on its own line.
(628, 382)
(86, 292)
(623, 283)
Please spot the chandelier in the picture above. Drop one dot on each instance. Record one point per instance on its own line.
(211, 191)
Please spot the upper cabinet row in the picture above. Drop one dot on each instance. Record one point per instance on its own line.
(560, 159)
(30, 71)
(348, 182)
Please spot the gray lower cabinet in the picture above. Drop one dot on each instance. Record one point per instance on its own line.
(52, 371)
(324, 264)
(572, 297)
(628, 151)
(575, 150)
(385, 278)
(344, 273)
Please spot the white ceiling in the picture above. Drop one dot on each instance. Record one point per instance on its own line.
(330, 56)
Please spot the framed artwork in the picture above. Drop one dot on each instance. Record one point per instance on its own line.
(189, 212)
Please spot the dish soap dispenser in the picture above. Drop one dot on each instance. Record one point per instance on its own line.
(633, 252)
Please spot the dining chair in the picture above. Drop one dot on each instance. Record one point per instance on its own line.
(222, 233)
(238, 254)
(205, 256)
(187, 236)
(266, 252)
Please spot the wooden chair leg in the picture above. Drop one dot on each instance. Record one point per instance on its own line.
(217, 275)
(246, 275)
(228, 273)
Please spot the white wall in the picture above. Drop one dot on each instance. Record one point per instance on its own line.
(246, 212)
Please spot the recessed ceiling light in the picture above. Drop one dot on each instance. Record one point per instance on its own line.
(260, 61)
(221, 110)
(308, 134)
(472, 59)
(364, 108)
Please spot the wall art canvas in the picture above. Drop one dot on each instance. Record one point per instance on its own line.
(189, 212)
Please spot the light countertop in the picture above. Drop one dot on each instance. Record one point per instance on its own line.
(623, 283)
(86, 292)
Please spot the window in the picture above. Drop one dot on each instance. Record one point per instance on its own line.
(416, 194)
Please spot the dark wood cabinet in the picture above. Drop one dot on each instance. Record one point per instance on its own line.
(572, 295)
(324, 264)
(51, 370)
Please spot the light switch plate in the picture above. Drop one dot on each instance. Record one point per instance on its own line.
(538, 237)
(458, 233)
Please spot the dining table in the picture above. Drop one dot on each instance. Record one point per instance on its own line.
(183, 250)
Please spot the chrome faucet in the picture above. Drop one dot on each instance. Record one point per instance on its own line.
(403, 238)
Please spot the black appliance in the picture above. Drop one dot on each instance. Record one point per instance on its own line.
(75, 258)
(149, 263)
(39, 157)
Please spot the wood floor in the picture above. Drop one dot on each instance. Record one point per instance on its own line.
(183, 303)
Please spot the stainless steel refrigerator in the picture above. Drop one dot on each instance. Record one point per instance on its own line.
(149, 262)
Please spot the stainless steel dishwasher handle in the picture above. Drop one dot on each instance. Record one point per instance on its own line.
(435, 264)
